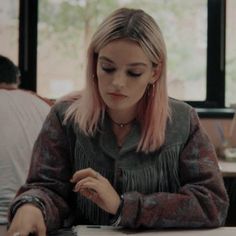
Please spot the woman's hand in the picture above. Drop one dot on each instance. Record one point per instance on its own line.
(97, 188)
(28, 219)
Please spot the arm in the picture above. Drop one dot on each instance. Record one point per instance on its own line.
(201, 201)
(50, 171)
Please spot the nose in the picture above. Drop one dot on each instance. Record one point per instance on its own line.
(119, 80)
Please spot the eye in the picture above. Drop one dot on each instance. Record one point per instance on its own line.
(108, 70)
(133, 74)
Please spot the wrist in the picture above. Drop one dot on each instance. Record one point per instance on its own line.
(28, 200)
(117, 217)
(116, 206)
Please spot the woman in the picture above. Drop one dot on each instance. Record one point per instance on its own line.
(121, 152)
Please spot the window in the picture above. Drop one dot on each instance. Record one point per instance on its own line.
(54, 35)
(65, 27)
(230, 77)
(9, 23)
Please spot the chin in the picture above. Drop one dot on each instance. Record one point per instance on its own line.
(113, 106)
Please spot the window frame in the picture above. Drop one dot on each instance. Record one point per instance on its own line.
(28, 14)
(215, 74)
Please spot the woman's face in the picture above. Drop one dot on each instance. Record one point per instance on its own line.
(123, 72)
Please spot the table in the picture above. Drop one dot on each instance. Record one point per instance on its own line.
(110, 231)
(3, 230)
(228, 169)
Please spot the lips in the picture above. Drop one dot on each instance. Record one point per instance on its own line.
(118, 95)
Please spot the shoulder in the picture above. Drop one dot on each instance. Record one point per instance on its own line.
(178, 127)
(60, 108)
(38, 97)
(65, 103)
(181, 112)
(177, 106)
(33, 95)
(27, 101)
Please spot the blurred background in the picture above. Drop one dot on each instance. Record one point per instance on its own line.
(64, 28)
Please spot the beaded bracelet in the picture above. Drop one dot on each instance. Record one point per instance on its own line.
(117, 218)
(28, 199)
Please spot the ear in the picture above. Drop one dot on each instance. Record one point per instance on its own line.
(156, 73)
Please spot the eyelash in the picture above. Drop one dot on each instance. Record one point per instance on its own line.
(111, 70)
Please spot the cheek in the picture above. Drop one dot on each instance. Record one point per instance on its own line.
(143, 85)
(100, 77)
(139, 88)
(100, 86)
(141, 91)
(103, 83)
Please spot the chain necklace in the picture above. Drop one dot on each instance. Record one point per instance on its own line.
(121, 125)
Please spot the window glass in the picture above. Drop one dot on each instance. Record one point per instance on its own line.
(230, 78)
(9, 29)
(65, 27)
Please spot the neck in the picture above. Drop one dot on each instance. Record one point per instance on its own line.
(121, 130)
(8, 86)
(121, 124)
(122, 118)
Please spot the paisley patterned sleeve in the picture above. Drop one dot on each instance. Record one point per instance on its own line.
(50, 171)
(201, 200)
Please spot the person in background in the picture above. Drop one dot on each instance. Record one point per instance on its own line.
(121, 152)
(21, 117)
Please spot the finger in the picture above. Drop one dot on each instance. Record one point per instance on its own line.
(85, 192)
(91, 195)
(87, 183)
(86, 180)
(41, 231)
(15, 231)
(18, 233)
(90, 187)
(81, 174)
(86, 173)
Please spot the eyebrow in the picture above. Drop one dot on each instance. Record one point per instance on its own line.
(131, 64)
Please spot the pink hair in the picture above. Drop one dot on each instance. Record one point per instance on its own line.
(153, 109)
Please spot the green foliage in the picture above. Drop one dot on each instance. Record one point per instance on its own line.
(67, 26)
